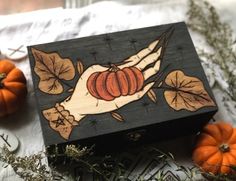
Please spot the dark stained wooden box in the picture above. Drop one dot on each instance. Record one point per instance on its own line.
(121, 88)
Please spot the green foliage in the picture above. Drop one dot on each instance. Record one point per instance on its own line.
(29, 168)
(203, 19)
(34, 167)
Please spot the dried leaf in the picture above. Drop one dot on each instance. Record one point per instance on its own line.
(185, 92)
(151, 94)
(52, 71)
(71, 90)
(80, 67)
(117, 116)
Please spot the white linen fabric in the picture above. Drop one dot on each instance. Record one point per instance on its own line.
(59, 24)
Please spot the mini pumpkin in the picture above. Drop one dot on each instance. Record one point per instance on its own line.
(115, 82)
(12, 87)
(215, 150)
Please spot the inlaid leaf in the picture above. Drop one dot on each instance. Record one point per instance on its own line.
(52, 70)
(152, 95)
(185, 92)
(117, 116)
(71, 90)
(80, 67)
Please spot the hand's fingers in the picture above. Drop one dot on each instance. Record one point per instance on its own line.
(133, 60)
(144, 52)
(153, 57)
(151, 71)
(123, 100)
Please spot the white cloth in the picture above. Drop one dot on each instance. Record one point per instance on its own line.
(104, 17)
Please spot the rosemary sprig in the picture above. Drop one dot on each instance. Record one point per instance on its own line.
(203, 18)
(31, 167)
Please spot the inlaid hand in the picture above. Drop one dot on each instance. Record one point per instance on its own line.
(103, 89)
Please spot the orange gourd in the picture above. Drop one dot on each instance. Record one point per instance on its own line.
(215, 150)
(12, 87)
(115, 82)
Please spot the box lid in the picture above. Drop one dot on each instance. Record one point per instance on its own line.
(113, 82)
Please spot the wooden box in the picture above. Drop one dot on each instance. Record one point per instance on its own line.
(121, 88)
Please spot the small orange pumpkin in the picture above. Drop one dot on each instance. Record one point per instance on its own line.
(115, 82)
(12, 87)
(215, 151)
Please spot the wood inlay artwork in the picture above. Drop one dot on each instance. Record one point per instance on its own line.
(151, 94)
(115, 82)
(185, 92)
(52, 70)
(82, 89)
(60, 120)
(117, 116)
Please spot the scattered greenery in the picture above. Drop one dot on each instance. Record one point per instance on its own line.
(168, 159)
(35, 168)
(189, 173)
(29, 168)
(204, 19)
(102, 167)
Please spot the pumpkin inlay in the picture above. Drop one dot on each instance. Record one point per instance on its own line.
(115, 82)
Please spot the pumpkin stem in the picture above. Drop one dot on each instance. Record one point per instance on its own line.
(114, 68)
(224, 147)
(2, 76)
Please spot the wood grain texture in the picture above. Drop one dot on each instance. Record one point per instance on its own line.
(159, 120)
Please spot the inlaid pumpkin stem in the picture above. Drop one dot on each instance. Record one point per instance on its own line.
(114, 68)
(224, 147)
(2, 76)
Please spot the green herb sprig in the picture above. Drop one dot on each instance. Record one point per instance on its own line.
(204, 19)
